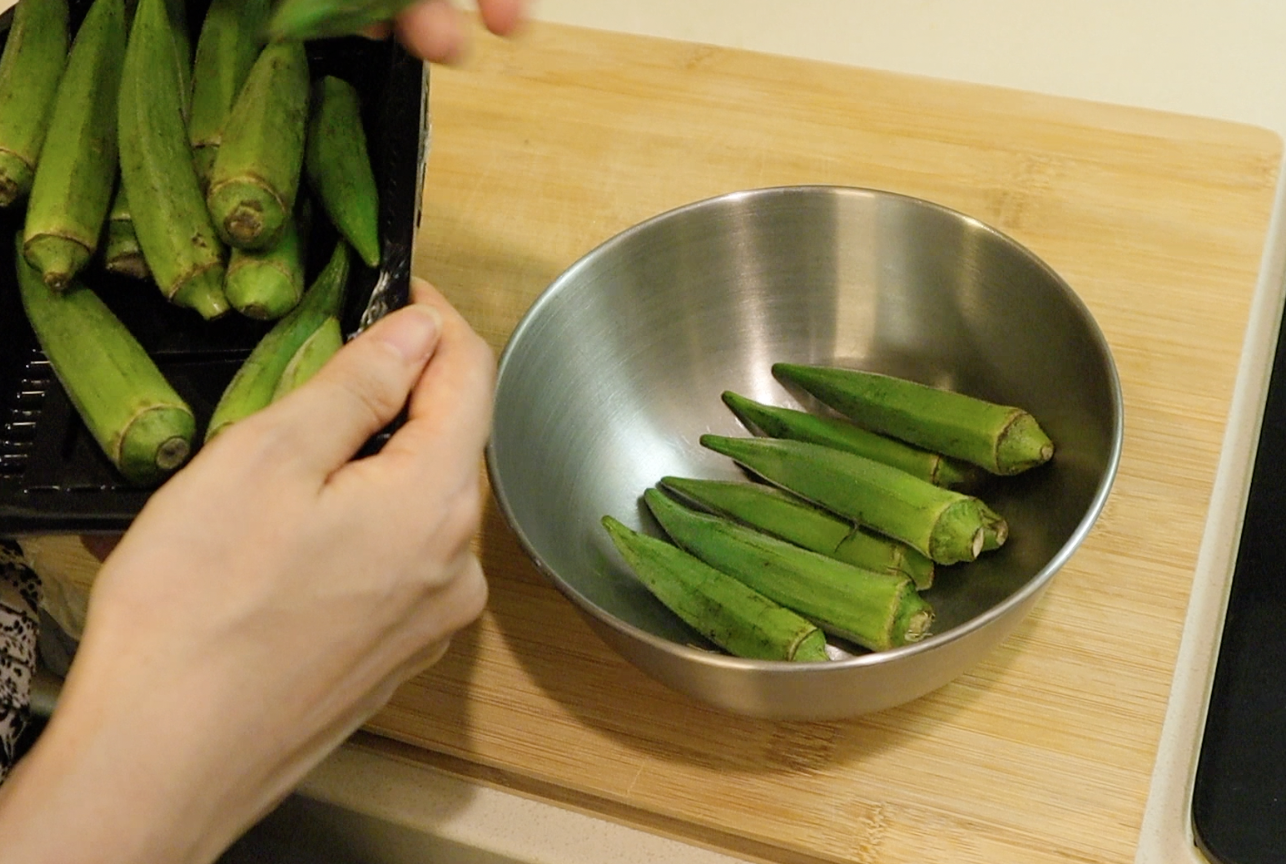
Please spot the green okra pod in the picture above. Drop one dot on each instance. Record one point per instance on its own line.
(777, 422)
(230, 40)
(72, 189)
(946, 526)
(321, 19)
(256, 380)
(121, 252)
(142, 425)
(177, 11)
(875, 610)
(173, 227)
(995, 530)
(267, 283)
(256, 172)
(729, 613)
(317, 349)
(777, 512)
(32, 65)
(1000, 439)
(338, 166)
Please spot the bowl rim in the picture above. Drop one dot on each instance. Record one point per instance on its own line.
(1034, 585)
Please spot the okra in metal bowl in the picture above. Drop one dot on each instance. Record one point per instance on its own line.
(614, 375)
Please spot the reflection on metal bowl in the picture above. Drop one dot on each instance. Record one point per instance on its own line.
(617, 369)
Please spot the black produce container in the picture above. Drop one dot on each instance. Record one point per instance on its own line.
(53, 476)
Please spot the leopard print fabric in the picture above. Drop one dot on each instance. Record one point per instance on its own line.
(19, 626)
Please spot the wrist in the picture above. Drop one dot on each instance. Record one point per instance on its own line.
(140, 763)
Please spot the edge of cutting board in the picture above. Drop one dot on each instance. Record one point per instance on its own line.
(1167, 835)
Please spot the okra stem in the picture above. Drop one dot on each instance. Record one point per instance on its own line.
(995, 530)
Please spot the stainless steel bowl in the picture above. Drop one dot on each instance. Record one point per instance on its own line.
(617, 369)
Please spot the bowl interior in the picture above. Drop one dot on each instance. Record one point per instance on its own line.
(617, 370)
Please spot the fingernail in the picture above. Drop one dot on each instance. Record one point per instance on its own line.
(412, 332)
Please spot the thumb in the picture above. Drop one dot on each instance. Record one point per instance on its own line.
(359, 390)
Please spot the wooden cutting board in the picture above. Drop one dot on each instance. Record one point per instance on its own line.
(545, 147)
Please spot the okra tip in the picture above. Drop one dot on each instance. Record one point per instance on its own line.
(1022, 444)
(750, 413)
(369, 253)
(789, 372)
(734, 400)
(617, 530)
(689, 489)
(265, 292)
(653, 494)
(57, 258)
(203, 292)
(717, 443)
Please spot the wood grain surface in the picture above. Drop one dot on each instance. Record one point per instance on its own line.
(547, 146)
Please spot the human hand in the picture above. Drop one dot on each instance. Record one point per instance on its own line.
(433, 29)
(266, 602)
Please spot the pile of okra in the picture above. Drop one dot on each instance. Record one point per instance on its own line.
(198, 168)
(848, 515)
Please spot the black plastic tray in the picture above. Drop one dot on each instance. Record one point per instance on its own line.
(53, 477)
(1239, 795)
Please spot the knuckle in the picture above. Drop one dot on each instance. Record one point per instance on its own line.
(258, 440)
(368, 389)
(476, 592)
(464, 519)
(459, 602)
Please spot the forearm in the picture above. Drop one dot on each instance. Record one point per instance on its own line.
(143, 764)
(115, 778)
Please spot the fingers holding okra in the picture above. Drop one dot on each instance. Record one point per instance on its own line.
(846, 518)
